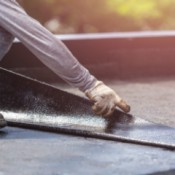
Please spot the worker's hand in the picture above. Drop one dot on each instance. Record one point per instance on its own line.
(105, 99)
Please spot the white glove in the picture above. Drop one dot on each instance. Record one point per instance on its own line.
(105, 99)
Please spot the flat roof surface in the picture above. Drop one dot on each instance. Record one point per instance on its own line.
(32, 152)
(28, 152)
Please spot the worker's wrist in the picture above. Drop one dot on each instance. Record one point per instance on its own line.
(89, 84)
(94, 85)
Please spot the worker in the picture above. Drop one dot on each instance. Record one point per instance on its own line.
(15, 22)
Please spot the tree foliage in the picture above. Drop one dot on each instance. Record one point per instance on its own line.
(81, 16)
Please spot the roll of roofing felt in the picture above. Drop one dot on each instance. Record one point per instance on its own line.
(28, 103)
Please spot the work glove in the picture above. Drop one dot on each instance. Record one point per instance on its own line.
(105, 99)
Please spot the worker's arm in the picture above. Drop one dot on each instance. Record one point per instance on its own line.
(51, 51)
(44, 45)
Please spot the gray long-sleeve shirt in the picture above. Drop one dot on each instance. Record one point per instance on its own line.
(14, 22)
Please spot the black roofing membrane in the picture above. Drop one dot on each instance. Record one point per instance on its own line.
(32, 104)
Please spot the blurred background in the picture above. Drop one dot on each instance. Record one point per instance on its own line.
(97, 16)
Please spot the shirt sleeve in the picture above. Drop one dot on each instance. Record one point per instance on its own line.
(44, 45)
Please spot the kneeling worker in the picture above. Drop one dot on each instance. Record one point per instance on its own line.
(15, 22)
